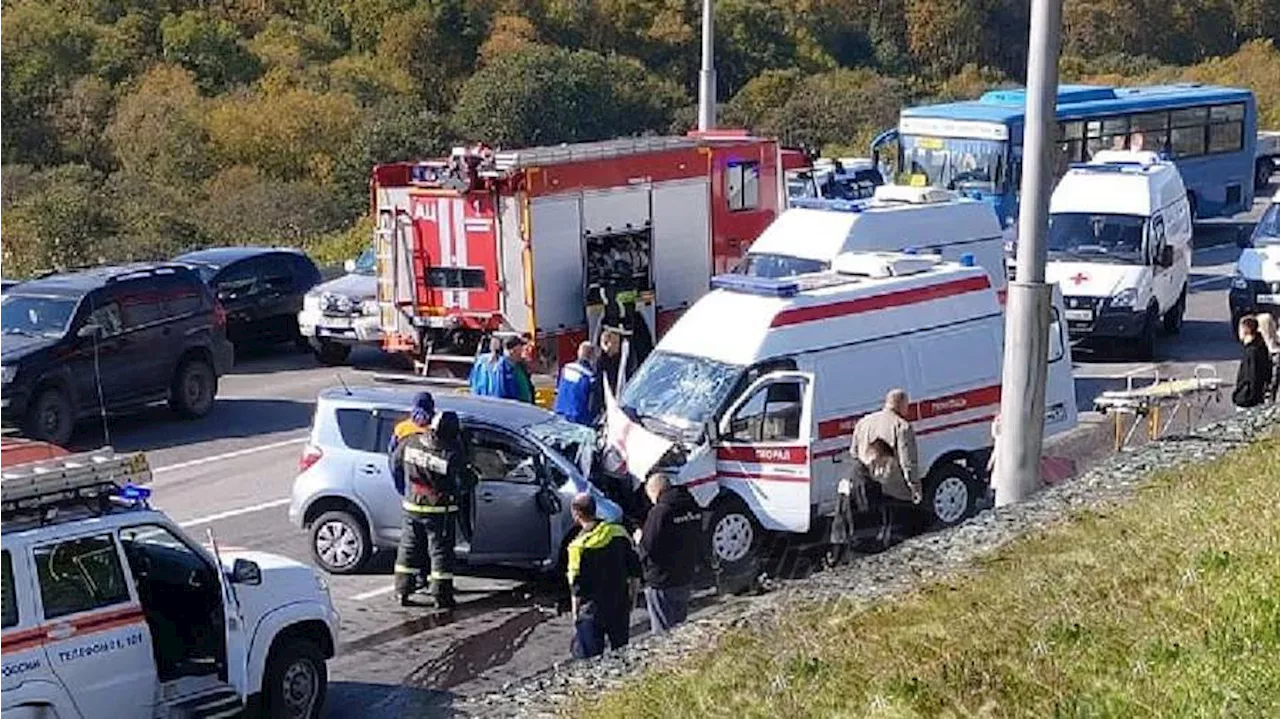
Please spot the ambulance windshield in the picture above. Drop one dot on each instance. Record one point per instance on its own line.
(676, 395)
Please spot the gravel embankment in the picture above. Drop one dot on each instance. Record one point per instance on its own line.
(905, 567)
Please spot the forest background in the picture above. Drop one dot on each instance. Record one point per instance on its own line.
(137, 129)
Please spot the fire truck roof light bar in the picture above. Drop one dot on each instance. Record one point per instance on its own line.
(57, 478)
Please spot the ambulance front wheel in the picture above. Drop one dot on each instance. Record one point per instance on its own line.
(296, 680)
(951, 494)
(734, 538)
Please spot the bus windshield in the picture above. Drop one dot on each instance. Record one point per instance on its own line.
(1096, 237)
(953, 163)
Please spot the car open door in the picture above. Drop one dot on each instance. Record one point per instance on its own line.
(1060, 412)
(763, 450)
(237, 646)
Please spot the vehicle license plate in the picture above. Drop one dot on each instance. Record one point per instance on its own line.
(1080, 315)
(1269, 299)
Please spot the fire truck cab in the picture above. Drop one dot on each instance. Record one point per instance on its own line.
(555, 243)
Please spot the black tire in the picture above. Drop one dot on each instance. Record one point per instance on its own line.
(1262, 173)
(1172, 320)
(340, 542)
(296, 680)
(733, 539)
(193, 389)
(951, 494)
(51, 417)
(332, 353)
(1144, 347)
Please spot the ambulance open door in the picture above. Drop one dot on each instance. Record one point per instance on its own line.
(763, 451)
(1060, 412)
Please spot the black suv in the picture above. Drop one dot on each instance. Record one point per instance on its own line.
(262, 289)
(108, 339)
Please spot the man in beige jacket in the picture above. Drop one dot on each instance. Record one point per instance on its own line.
(900, 480)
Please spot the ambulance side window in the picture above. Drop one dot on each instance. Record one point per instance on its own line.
(771, 415)
(79, 575)
(7, 600)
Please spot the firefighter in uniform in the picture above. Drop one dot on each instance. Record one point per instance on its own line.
(433, 468)
(418, 421)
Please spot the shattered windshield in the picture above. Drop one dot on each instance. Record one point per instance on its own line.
(574, 442)
(676, 395)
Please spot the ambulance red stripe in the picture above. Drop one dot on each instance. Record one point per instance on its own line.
(764, 455)
(888, 300)
(955, 425)
(760, 476)
(924, 409)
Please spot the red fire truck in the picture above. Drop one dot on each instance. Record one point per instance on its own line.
(554, 243)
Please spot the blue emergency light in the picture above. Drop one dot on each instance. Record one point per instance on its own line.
(968, 260)
(822, 203)
(762, 286)
(134, 493)
(425, 174)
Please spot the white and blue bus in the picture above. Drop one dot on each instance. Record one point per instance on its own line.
(976, 146)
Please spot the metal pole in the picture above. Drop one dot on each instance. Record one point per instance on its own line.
(707, 77)
(1027, 326)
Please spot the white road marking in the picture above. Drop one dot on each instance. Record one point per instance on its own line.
(229, 455)
(234, 512)
(1207, 281)
(363, 596)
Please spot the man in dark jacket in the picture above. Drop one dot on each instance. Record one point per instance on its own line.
(603, 573)
(1254, 374)
(668, 545)
(418, 421)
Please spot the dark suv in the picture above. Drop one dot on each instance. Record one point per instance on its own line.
(109, 339)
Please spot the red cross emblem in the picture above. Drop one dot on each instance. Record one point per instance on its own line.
(1079, 278)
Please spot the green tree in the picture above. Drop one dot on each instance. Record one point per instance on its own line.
(243, 206)
(158, 131)
(292, 134)
(125, 48)
(841, 110)
(80, 120)
(392, 131)
(60, 221)
(751, 36)
(210, 48)
(293, 46)
(367, 78)
(544, 95)
(435, 44)
(759, 103)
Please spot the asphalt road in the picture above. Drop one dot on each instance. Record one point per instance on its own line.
(231, 473)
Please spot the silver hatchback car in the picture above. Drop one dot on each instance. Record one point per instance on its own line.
(529, 463)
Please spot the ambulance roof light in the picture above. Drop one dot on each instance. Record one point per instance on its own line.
(761, 286)
(968, 260)
(822, 203)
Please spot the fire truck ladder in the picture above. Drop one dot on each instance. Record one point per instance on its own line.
(75, 478)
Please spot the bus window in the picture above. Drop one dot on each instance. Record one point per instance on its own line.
(1226, 131)
(1186, 138)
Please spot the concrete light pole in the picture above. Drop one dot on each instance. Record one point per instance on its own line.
(1017, 470)
(707, 76)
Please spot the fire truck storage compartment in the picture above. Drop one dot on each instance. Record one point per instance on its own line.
(681, 248)
(556, 227)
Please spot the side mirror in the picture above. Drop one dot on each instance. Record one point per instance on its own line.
(244, 571)
(89, 330)
(1166, 256)
(349, 266)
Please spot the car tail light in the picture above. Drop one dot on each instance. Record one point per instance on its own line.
(219, 314)
(310, 455)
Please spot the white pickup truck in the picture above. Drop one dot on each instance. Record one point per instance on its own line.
(110, 610)
(1266, 158)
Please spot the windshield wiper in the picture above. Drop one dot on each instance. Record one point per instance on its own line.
(19, 331)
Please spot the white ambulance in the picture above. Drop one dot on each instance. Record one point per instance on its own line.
(754, 393)
(110, 610)
(1256, 285)
(808, 237)
(1120, 248)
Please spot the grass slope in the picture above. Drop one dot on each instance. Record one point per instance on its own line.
(1168, 606)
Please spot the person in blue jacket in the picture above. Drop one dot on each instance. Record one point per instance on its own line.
(576, 388)
(493, 375)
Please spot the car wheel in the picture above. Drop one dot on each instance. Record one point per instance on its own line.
(733, 541)
(340, 542)
(1144, 348)
(951, 494)
(1173, 318)
(51, 418)
(193, 389)
(332, 353)
(296, 680)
